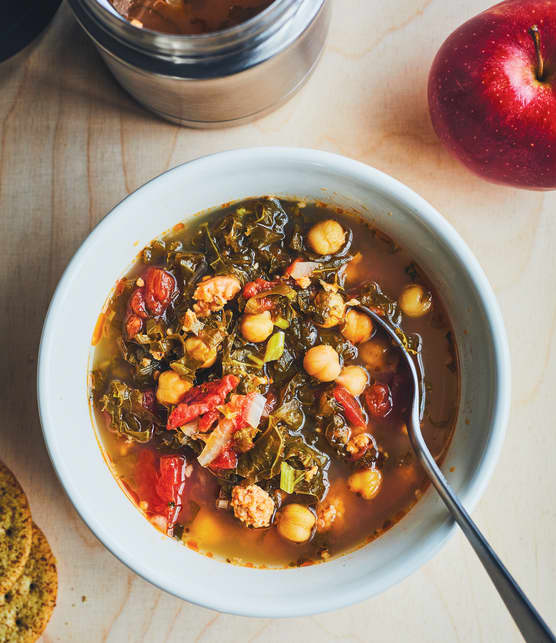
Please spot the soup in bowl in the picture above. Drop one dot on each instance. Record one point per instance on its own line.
(247, 406)
(244, 405)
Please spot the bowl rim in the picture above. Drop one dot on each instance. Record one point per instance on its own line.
(407, 199)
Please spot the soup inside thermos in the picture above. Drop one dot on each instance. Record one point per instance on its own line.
(188, 17)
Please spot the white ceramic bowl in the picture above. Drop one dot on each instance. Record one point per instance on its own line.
(105, 256)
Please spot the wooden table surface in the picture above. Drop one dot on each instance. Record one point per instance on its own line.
(73, 145)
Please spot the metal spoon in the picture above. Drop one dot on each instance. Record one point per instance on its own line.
(526, 617)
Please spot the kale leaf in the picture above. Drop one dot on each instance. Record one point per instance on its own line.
(263, 461)
(315, 463)
(127, 414)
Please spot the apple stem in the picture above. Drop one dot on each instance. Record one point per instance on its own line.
(535, 34)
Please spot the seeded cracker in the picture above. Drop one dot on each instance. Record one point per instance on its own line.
(25, 609)
(15, 529)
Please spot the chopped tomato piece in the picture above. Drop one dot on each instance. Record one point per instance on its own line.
(149, 400)
(226, 460)
(146, 475)
(137, 303)
(352, 408)
(171, 478)
(200, 400)
(136, 313)
(171, 485)
(241, 410)
(236, 411)
(219, 387)
(262, 304)
(253, 288)
(133, 325)
(378, 398)
(208, 420)
(159, 289)
(161, 484)
(152, 298)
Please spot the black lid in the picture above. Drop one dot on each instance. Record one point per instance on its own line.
(22, 21)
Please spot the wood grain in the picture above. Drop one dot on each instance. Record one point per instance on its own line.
(73, 144)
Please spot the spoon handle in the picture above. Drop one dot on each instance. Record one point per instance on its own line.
(528, 620)
(526, 617)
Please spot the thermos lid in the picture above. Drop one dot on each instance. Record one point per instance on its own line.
(22, 21)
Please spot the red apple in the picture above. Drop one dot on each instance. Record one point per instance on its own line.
(492, 93)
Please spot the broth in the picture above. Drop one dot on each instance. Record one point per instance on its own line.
(188, 17)
(206, 518)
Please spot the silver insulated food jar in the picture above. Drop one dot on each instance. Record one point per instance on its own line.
(217, 79)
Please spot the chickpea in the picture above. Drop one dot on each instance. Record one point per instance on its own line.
(171, 387)
(366, 483)
(326, 237)
(358, 327)
(354, 378)
(379, 356)
(296, 522)
(332, 306)
(415, 301)
(200, 352)
(322, 362)
(257, 327)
